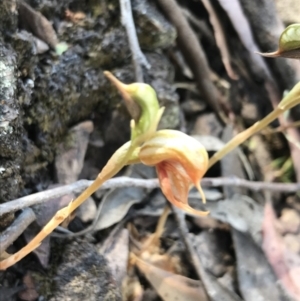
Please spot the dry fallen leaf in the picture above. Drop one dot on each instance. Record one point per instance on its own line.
(289, 221)
(241, 212)
(235, 12)
(71, 152)
(285, 263)
(256, 279)
(169, 286)
(37, 24)
(116, 204)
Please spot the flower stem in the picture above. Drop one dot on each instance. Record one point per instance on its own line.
(243, 136)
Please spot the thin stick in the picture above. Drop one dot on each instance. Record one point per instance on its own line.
(138, 57)
(9, 235)
(77, 187)
(211, 285)
(119, 182)
(220, 39)
(252, 185)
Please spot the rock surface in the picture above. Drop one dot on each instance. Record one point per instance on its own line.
(44, 94)
(82, 274)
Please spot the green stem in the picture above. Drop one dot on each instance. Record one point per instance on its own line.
(243, 136)
(113, 166)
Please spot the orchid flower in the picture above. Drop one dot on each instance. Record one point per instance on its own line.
(180, 161)
(142, 104)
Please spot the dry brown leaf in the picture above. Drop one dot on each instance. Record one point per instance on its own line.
(71, 151)
(37, 24)
(285, 263)
(171, 286)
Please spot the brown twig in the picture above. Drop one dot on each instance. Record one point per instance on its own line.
(79, 186)
(199, 24)
(220, 39)
(138, 57)
(9, 235)
(194, 55)
(213, 288)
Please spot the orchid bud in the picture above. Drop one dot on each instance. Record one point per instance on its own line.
(180, 161)
(289, 43)
(142, 104)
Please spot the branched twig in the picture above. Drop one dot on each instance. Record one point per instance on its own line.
(199, 24)
(9, 235)
(138, 57)
(43, 196)
(79, 186)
